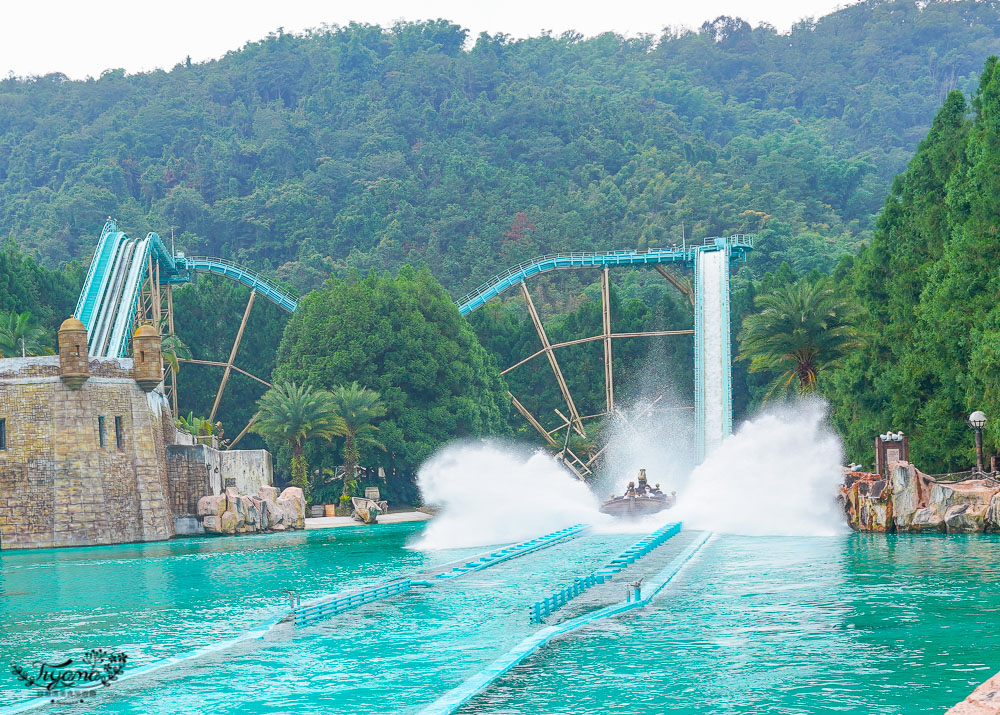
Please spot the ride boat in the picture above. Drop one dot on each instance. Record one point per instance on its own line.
(639, 501)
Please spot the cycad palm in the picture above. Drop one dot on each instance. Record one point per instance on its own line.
(801, 329)
(357, 407)
(295, 414)
(19, 336)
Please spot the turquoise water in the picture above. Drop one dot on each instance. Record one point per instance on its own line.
(857, 624)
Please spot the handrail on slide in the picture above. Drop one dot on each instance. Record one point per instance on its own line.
(282, 297)
(739, 245)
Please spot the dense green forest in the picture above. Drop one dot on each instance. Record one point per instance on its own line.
(361, 147)
(929, 284)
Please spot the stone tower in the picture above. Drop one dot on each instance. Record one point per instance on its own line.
(74, 368)
(146, 357)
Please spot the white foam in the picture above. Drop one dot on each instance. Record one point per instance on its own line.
(494, 493)
(777, 475)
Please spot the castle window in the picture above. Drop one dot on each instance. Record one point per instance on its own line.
(76, 350)
(3, 433)
(100, 430)
(119, 433)
(142, 356)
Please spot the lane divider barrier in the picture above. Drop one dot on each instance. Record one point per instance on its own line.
(457, 698)
(546, 606)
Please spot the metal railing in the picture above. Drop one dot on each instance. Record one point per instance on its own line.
(282, 297)
(675, 253)
(312, 612)
(512, 552)
(546, 606)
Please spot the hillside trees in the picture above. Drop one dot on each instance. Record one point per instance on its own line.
(402, 337)
(928, 284)
(363, 147)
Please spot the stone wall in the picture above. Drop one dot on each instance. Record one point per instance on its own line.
(198, 470)
(250, 468)
(58, 485)
(190, 469)
(909, 500)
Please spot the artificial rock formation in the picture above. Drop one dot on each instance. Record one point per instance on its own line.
(235, 513)
(985, 700)
(909, 500)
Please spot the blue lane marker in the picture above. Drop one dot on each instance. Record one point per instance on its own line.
(331, 605)
(512, 552)
(545, 607)
(455, 699)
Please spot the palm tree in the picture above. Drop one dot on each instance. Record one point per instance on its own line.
(19, 334)
(801, 329)
(295, 414)
(172, 348)
(357, 407)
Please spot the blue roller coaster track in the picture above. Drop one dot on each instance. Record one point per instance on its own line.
(111, 292)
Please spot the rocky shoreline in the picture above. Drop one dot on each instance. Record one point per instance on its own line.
(910, 501)
(235, 513)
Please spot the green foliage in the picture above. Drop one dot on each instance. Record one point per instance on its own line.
(21, 336)
(402, 337)
(294, 414)
(48, 295)
(197, 426)
(363, 146)
(800, 330)
(357, 407)
(173, 348)
(928, 284)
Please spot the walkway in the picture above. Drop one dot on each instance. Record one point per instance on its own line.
(333, 522)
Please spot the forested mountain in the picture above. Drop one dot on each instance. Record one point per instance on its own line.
(363, 146)
(366, 147)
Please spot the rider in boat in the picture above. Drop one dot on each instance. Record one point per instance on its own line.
(643, 488)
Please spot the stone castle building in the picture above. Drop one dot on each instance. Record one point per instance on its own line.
(89, 453)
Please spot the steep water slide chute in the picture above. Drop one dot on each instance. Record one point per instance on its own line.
(99, 274)
(108, 302)
(134, 274)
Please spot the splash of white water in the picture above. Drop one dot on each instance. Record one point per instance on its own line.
(656, 437)
(713, 282)
(491, 493)
(777, 475)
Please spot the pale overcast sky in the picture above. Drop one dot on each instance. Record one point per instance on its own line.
(81, 38)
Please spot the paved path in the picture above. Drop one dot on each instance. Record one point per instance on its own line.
(332, 522)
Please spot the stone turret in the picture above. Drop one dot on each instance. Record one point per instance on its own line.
(147, 362)
(74, 368)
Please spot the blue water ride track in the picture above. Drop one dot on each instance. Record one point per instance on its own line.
(685, 254)
(107, 303)
(120, 266)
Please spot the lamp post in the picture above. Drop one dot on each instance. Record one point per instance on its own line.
(977, 420)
